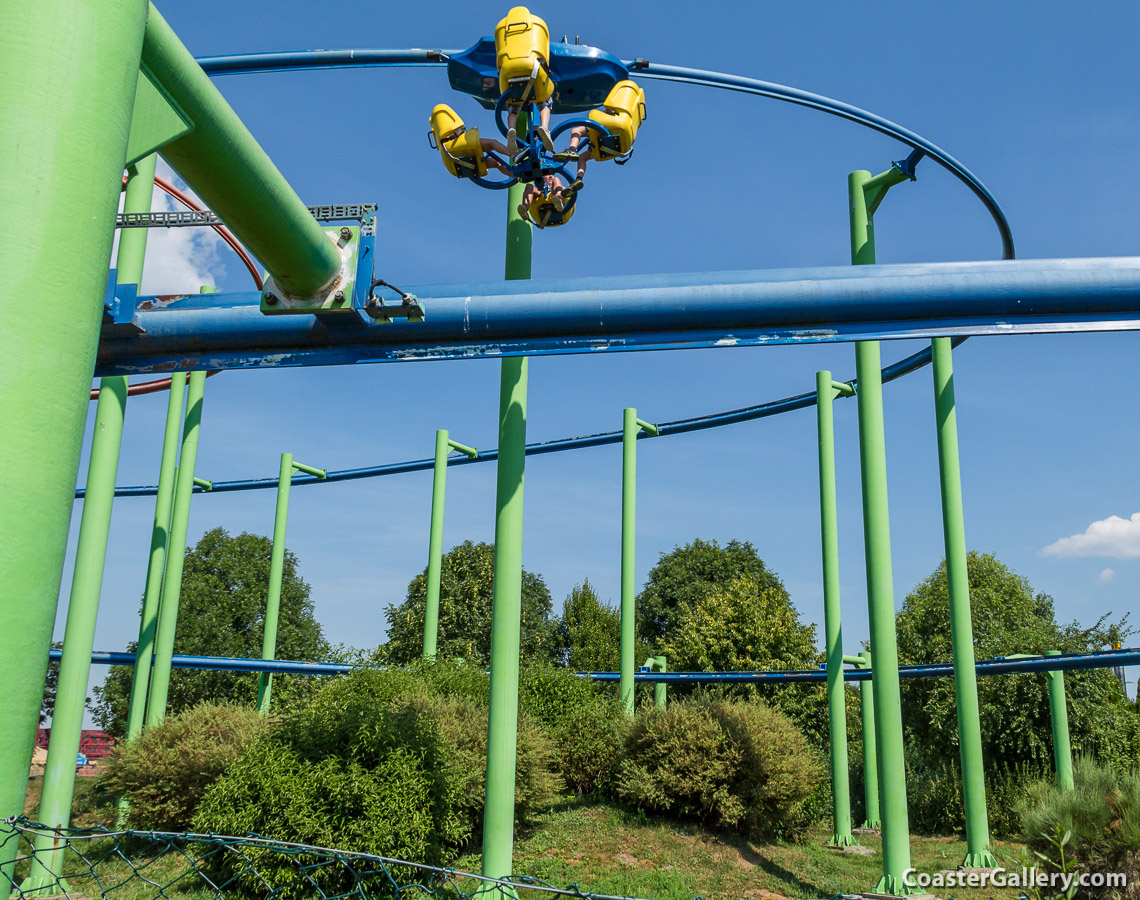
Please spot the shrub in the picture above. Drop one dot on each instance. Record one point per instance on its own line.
(167, 770)
(384, 762)
(1101, 818)
(935, 797)
(735, 765)
(584, 720)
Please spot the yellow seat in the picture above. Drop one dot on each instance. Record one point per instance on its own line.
(522, 55)
(544, 214)
(458, 145)
(621, 114)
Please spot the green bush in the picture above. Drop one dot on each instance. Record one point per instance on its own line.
(1101, 818)
(584, 720)
(736, 765)
(934, 797)
(167, 770)
(387, 762)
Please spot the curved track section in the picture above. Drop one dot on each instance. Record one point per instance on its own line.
(371, 58)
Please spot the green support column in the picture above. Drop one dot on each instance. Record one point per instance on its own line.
(865, 193)
(978, 853)
(68, 72)
(1059, 711)
(90, 556)
(502, 726)
(443, 448)
(660, 689)
(176, 553)
(276, 573)
(631, 427)
(144, 652)
(825, 391)
(870, 753)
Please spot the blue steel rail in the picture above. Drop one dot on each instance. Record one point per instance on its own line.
(1103, 659)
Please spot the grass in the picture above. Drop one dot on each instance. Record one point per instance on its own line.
(607, 850)
(602, 849)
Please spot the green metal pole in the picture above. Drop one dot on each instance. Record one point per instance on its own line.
(276, 568)
(502, 726)
(90, 557)
(176, 554)
(870, 754)
(68, 72)
(660, 690)
(978, 854)
(222, 161)
(833, 630)
(1059, 712)
(880, 590)
(149, 619)
(435, 545)
(628, 544)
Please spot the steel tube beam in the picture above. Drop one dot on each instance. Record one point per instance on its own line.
(68, 72)
(1059, 716)
(630, 430)
(176, 553)
(833, 629)
(90, 557)
(276, 571)
(506, 605)
(435, 545)
(978, 853)
(870, 749)
(864, 194)
(650, 311)
(235, 177)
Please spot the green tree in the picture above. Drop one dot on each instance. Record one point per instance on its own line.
(747, 626)
(683, 576)
(588, 633)
(51, 684)
(465, 592)
(221, 612)
(1009, 617)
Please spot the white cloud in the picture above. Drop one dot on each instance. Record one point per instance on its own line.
(1113, 537)
(1106, 575)
(178, 260)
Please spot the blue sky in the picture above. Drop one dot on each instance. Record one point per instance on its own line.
(1038, 100)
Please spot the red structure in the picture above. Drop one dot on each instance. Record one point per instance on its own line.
(92, 743)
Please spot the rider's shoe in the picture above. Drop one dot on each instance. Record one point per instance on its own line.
(512, 144)
(544, 136)
(576, 185)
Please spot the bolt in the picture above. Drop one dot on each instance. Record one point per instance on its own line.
(269, 298)
(346, 234)
(339, 296)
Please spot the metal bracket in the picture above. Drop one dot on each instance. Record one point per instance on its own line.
(908, 165)
(410, 307)
(119, 307)
(337, 299)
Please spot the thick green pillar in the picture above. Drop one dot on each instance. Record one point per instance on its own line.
(1059, 712)
(68, 72)
(961, 627)
(176, 553)
(825, 391)
(276, 569)
(870, 752)
(443, 448)
(877, 542)
(144, 652)
(502, 727)
(90, 556)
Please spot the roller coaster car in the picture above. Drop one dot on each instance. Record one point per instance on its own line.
(544, 214)
(522, 56)
(621, 114)
(458, 145)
